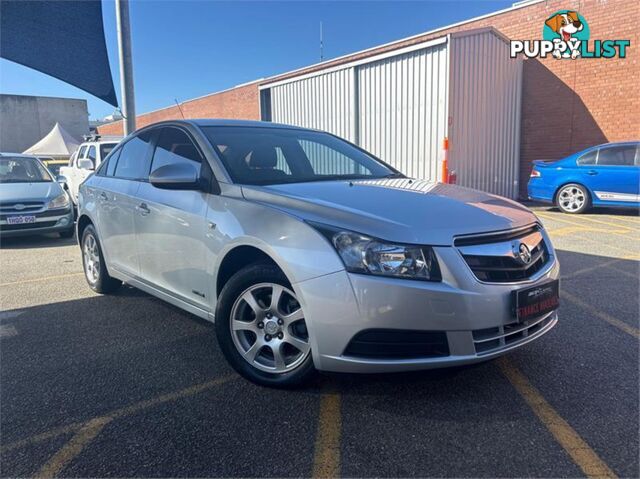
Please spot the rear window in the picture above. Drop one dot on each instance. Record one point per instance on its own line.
(105, 149)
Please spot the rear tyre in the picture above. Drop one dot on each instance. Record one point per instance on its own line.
(261, 328)
(95, 269)
(573, 199)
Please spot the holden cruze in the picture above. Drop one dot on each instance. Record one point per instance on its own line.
(310, 254)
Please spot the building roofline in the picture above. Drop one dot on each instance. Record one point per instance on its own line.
(314, 66)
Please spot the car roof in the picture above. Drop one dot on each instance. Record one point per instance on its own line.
(203, 122)
(16, 155)
(616, 143)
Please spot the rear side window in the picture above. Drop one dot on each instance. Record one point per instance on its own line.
(132, 163)
(588, 158)
(105, 149)
(174, 146)
(91, 154)
(617, 156)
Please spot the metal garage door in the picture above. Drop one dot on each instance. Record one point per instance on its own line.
(402, 102)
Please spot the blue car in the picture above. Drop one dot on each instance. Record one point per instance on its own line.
(603, 175)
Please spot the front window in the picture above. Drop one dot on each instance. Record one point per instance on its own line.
(23, 170)
(265, 156)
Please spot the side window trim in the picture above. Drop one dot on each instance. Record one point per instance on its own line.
(614, 147)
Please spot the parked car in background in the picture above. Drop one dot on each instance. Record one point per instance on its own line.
(312, 254)
(31, 201)
(88, 157)
(54, 165)
(603, 175)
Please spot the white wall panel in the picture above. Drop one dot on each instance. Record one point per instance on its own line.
(324, 102)
(402, 110)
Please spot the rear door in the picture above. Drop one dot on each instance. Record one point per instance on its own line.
(117, 202)
(171, 225)
(74, 179)
(615, 177)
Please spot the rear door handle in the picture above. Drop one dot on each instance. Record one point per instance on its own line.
(143, 209)
(103, 196)
(592, 172)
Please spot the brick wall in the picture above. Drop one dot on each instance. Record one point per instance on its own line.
(237, 103)
(566, 105)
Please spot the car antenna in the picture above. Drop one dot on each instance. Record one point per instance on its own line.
(179, 107)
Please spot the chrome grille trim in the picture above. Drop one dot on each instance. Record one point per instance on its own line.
(490, 340)
(491, 257)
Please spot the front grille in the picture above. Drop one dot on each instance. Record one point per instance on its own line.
(398, 344)
(493, 339)
(27, 226)
(492, 258)
(27, 207)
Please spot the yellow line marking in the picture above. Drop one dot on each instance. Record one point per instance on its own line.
(581, 453)
(606, 264)
(621, 325)
(573, 223)
(46, 278)
(567, 230)
(73, 448)
(118, 413)
(626, 273)
(586, 218)
(326, 458)
(594, 220)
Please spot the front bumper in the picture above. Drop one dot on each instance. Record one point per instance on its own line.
(50, 221)
(476, 317)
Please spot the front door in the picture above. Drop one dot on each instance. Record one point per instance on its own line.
(171, 226)
(615, 176)
(117, 203)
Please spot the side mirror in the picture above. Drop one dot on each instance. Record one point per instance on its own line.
(85, 164)
(178, 176)
(62, 180)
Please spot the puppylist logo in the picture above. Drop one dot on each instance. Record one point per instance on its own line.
(565, 34)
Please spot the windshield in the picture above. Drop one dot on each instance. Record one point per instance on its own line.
(23, 170)
(266, 156)
(105, 149)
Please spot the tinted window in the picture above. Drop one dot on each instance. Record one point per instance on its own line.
(91, 154)
(261, 156)
(175, 146)
(105, 149)
(132, 163)
(83, 150)
(588, 158)
(617, 156)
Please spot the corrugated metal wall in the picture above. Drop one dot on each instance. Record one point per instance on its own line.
(324, 102)
(484, 110)
(403, 110)
(400, 107)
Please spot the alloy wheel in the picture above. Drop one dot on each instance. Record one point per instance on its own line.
(268, 328)
(571, 198)
(91, 259)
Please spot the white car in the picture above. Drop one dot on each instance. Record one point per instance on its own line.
(84, 162)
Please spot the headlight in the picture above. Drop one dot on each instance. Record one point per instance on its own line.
(364, 254)
(61, 201)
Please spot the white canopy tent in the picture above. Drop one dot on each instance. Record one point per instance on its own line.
(56, 144)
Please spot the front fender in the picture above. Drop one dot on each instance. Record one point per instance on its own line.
(298, 249)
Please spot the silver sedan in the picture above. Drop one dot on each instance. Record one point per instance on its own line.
(311, 254)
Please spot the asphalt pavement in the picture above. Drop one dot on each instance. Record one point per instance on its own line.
(129, 386)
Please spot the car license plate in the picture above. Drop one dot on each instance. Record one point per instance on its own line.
(538, 300)
(21, 220)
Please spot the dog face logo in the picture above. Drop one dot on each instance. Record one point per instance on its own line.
(565, 24)
(566, 29)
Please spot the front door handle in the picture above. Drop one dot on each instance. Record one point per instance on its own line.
(143, 209)
(103, 196)
(592, 172)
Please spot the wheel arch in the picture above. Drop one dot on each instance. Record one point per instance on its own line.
(239, 257)
(569, 182)
(83, 221)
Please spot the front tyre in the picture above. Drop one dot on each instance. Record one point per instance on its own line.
(573, 199)
(95, 269)
(261, 328)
